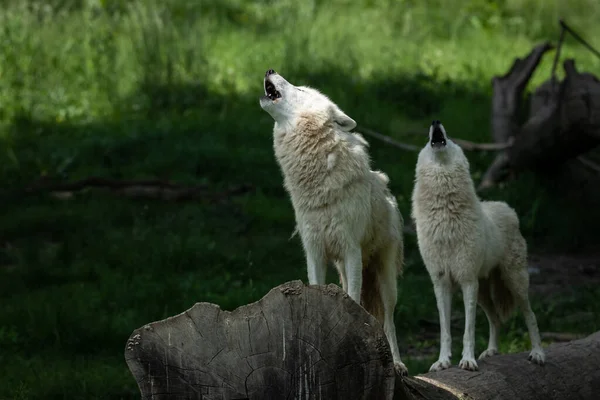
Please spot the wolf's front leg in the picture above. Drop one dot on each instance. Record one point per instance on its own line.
(469, 290)
(353, 267)
(443, 296)
(316, 264)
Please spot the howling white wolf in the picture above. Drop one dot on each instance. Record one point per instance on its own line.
(473, 244)
(345, 212)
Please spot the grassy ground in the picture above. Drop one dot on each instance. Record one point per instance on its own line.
(139, 90)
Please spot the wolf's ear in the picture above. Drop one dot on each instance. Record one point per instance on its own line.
(345, 122)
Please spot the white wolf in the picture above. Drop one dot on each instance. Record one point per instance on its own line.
(474, 244)
(344, 211)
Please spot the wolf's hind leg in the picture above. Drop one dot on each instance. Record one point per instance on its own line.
(388, 290)
(522, 298)
(517, 281)
(485, 301)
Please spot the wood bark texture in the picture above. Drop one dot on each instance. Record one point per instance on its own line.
(571, 372)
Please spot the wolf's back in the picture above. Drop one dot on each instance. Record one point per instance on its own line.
(503, 216)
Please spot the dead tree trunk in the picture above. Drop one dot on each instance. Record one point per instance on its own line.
(563, 122)
(314, 342)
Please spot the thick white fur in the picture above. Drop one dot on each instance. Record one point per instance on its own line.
(474, 244)
(344, 212)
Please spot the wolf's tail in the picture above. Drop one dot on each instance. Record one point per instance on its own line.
(375, 273)
(496, 295)
(370, 296)
(400, 260)
(400, 248)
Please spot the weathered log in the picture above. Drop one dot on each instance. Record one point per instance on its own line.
(563, 122)
(314, 342)
(572, 371)
(296, 342)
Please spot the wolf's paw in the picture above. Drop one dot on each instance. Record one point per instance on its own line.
(468, 364)
(488, 353)
(400, 369)
(440, 364)
(537, 357)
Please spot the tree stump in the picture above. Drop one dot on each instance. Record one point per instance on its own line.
(315, 342)
(563, 121)
(297, 342)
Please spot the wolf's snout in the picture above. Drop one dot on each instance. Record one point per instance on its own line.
(270, 72)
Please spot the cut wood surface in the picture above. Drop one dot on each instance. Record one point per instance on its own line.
(298, 342)
(314, 342)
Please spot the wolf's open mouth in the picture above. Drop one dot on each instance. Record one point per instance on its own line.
(437, 136)
(270, 90)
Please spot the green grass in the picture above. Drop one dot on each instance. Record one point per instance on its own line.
(170, 89)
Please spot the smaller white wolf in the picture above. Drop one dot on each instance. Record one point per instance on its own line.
(474, 244)
(344, 212)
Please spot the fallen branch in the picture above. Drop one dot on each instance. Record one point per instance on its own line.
(389, 140)
(464, 144)
(496, 172)
(589, 163)
(47, 185)
(149, 189)
(470, 146)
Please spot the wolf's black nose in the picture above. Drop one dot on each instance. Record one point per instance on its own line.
(270, 72)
